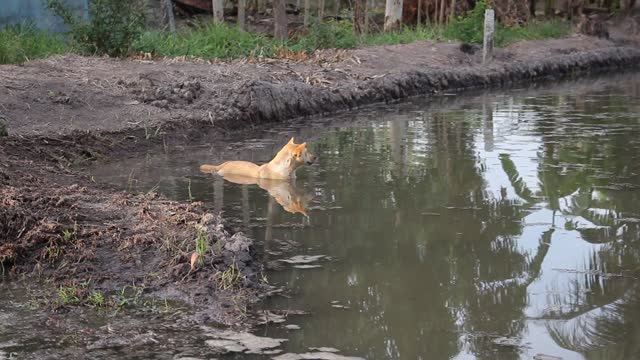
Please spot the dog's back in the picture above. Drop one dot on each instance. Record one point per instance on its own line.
(243, 168)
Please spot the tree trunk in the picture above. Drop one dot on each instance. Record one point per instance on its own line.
(442, 6)
(280, 20)
(419, 13)
(320, 10)
(548, 7)
(392, 15)
(170, 17)
(358, 16)
(366, 16)
(242, 4)
(337, 8)
(307, 7)
(218, 11)
(532, 8)
(452, 11)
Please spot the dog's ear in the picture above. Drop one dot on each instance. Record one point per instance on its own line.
(298, 151)
(291, 142)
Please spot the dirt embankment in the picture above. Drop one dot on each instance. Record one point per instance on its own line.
(64, 111)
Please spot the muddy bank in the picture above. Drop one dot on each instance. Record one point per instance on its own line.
(66, 111)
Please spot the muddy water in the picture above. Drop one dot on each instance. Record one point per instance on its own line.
(503, 225)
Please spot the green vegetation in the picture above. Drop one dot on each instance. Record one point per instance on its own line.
(469, 29)
(20, 43)
(111, 27)
(116, 28)
(532, 31)
(224, 41)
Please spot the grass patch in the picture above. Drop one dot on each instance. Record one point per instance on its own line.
(532, 31)
(209, 41)
(205, 41)
(21, 43)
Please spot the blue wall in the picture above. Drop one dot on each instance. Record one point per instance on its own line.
(34, 11)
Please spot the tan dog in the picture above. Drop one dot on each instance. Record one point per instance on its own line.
(283, 166)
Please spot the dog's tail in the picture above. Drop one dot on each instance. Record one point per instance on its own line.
(211, 169)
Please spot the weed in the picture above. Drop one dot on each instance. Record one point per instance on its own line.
(24, 42)
(69, 295)
(130, 181)
(69, 235)
(228, 278)
(202, 242)
(3, 124)
(189, 190)
(96, 299)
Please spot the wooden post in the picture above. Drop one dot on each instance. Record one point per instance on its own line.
(489, 28)
(217, 7)
(242, 5)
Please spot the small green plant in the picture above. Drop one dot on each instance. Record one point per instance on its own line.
(202, 242)
(69, 295)
(69, 234)
(228, 278)
(96, 299)
(111, 28)
(189, 190)
(3, 127)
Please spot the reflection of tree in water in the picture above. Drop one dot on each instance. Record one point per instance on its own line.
(585, 166)
(472, 256)
(426, 289)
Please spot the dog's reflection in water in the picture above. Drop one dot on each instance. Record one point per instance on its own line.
(284, 192)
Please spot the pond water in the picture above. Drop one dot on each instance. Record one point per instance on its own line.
(504, 225)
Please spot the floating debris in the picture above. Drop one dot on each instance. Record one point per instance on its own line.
(507, 341)
(462, 208)
(242, 342)
(269, 317)
(225, 346)
(546, 357)
(315, 356)
(324, 349)
(339, 306)
(307, 266)
(292, 327)
(431, 214)
(303, 259)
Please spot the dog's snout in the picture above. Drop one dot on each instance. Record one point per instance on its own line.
(311, 159)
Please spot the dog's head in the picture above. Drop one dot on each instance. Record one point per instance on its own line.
(301, 155)
(296, 155)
